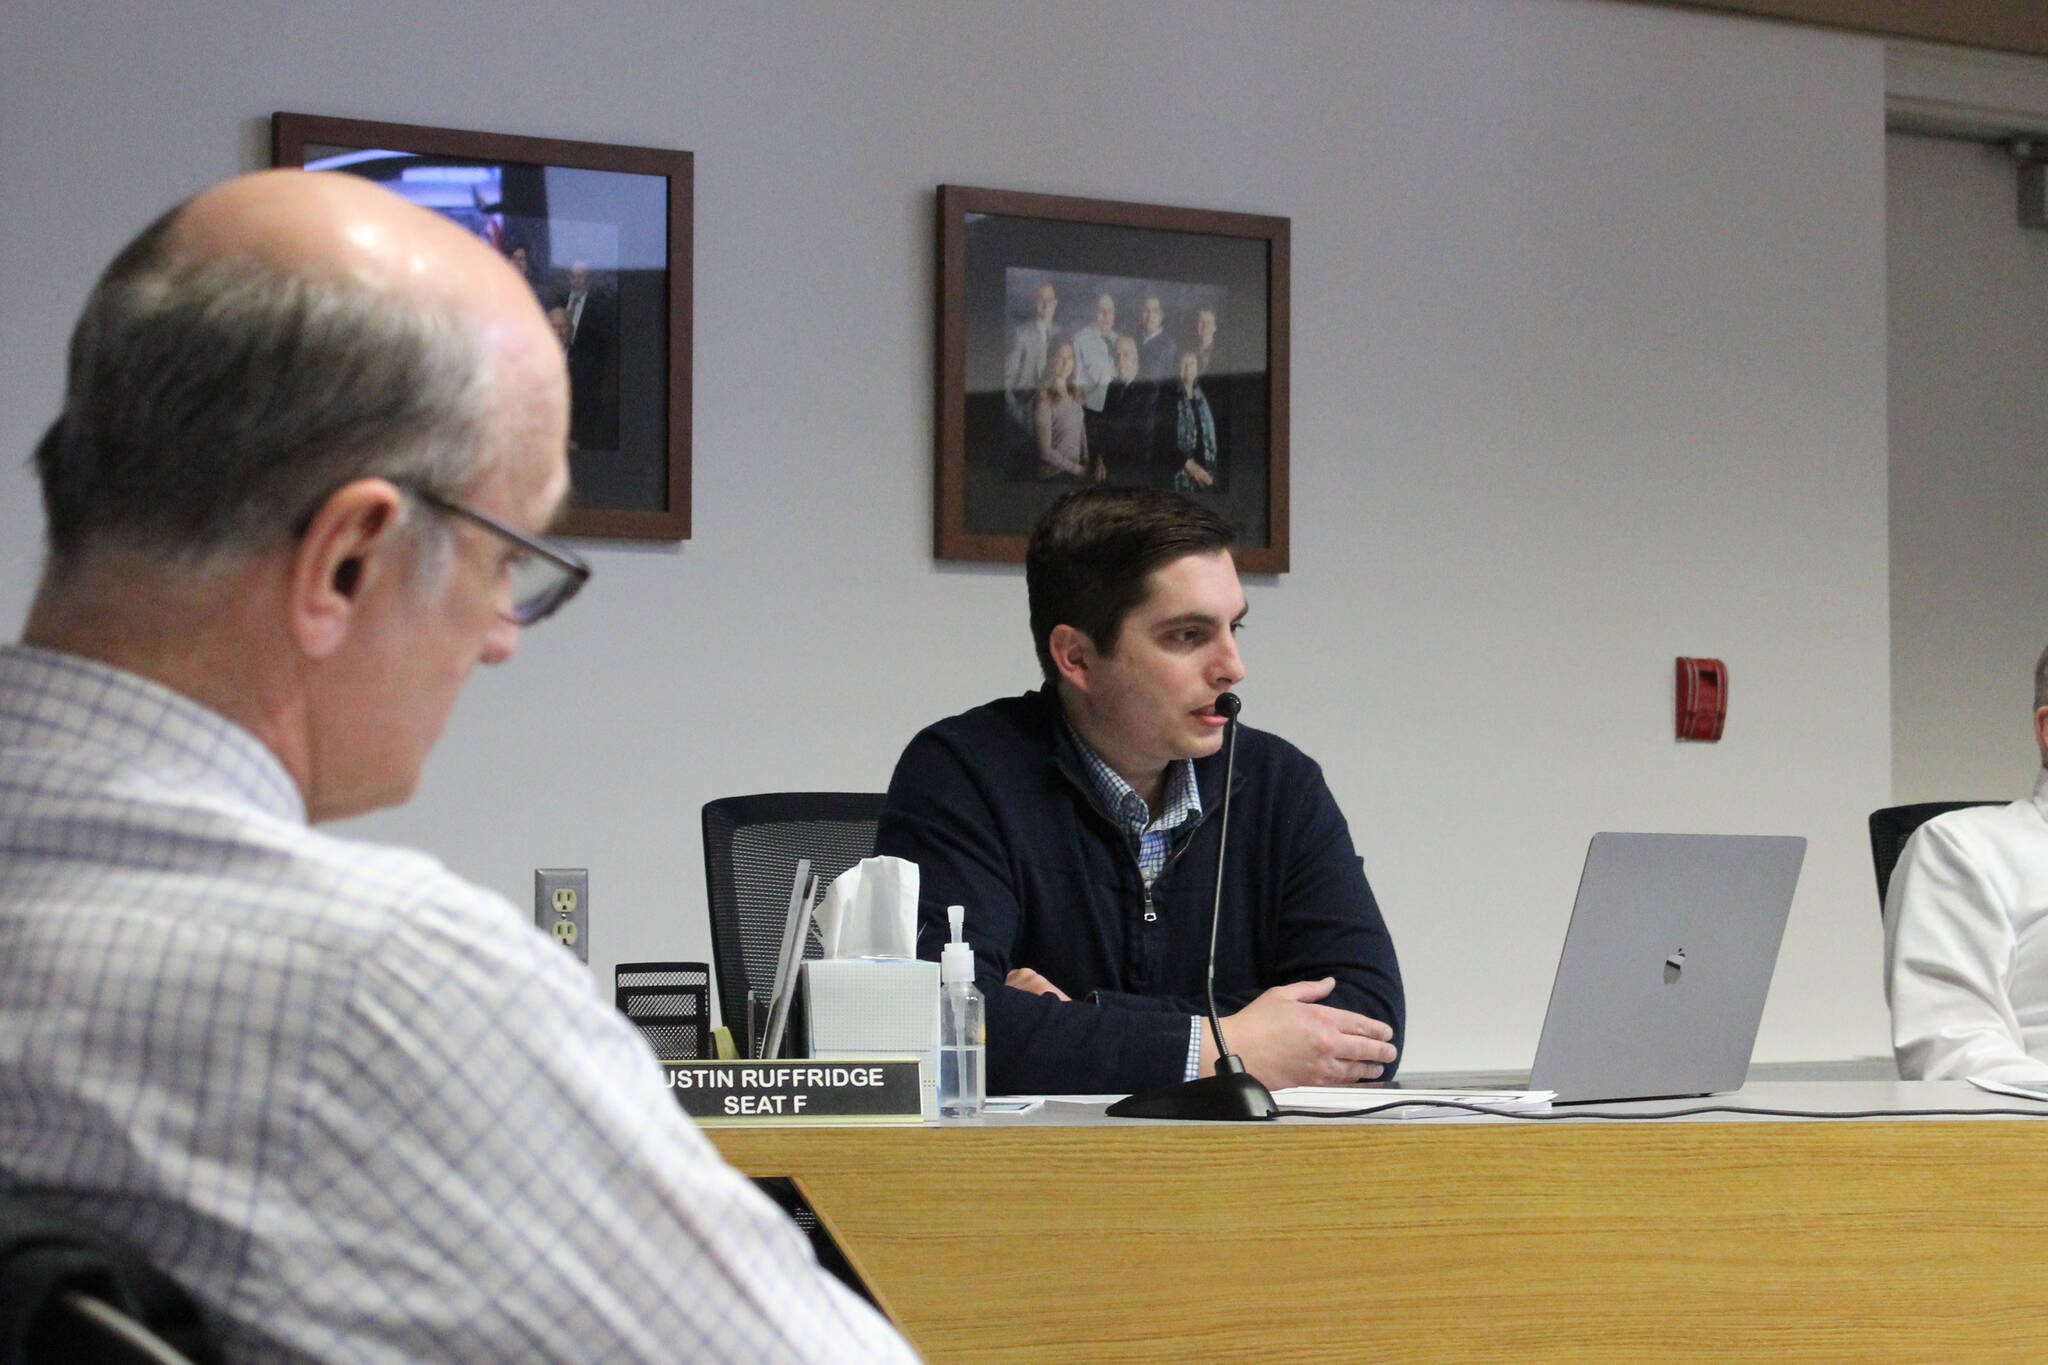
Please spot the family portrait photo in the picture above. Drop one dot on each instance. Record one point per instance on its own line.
(1096, 342)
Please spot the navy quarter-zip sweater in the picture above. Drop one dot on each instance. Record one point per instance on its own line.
(995, 807)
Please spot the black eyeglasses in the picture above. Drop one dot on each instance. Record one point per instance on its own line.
(543, 576)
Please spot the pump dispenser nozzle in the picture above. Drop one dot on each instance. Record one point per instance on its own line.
(956, 961)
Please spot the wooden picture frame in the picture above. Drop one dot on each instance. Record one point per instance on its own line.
(615, 221)
(1169, 281)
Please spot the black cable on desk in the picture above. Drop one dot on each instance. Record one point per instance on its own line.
(1550, 1116)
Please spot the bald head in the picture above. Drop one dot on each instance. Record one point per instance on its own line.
(267, 342)
(315, 221)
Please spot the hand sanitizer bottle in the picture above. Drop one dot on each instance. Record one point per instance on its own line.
(963, 1028)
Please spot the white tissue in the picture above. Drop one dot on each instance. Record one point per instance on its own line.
(871, 910)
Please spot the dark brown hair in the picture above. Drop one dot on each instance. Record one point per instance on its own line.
(1092, 552)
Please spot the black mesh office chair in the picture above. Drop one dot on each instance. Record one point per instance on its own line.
(751, 848)
(1892, 826)
(70, 1295)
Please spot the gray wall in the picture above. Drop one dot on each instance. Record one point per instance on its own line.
(1589, 372)
(1969, 486)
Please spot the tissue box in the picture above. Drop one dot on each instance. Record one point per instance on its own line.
(875, 1008)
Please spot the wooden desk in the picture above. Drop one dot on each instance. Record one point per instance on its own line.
(1038, 1239)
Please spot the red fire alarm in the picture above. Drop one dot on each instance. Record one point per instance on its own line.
(1702, 698)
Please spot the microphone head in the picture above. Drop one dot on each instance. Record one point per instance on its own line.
(1227, 705)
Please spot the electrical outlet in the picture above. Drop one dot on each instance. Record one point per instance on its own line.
(561, 906)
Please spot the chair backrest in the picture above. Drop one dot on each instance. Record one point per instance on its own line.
(670, 1003)
(751, 848)
(70, 1293)
(1892, 826)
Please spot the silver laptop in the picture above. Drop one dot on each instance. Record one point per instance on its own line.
(1666, 964)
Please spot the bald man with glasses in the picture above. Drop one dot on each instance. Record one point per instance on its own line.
(311, 441)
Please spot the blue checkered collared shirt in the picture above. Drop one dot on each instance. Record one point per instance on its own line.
(1183, 803)
(355, 1105)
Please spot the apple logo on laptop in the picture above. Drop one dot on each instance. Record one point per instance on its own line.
(1673, 965)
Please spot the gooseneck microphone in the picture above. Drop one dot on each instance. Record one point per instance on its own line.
(1227, 706)
(1232, 1093)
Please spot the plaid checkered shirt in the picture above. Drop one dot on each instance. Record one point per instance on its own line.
(355, 1105)
(1183, 803)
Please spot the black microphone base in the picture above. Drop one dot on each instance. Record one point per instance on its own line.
(1228, 1098)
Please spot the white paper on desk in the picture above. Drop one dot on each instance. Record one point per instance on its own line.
(2025, 1092)
(1343, 1099)
(1102, 1100)
(871, 910)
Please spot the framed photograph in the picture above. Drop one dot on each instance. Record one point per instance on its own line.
(602, 233)
(1089, 341)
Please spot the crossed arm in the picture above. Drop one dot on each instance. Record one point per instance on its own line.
(1284, 1037)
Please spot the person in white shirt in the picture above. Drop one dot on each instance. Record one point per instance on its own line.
(358, 1109)
(1095, 354)
(1966, 937)
(1095, 368)
(1031, 346)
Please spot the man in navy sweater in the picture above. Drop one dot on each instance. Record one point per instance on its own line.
(1078, 826)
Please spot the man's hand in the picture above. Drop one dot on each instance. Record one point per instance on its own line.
(1024, 979)
(1285, 1038)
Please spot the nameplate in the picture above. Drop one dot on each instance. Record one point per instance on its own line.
(862, 1090)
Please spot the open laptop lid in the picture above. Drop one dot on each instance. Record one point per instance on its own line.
(1665, 967)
